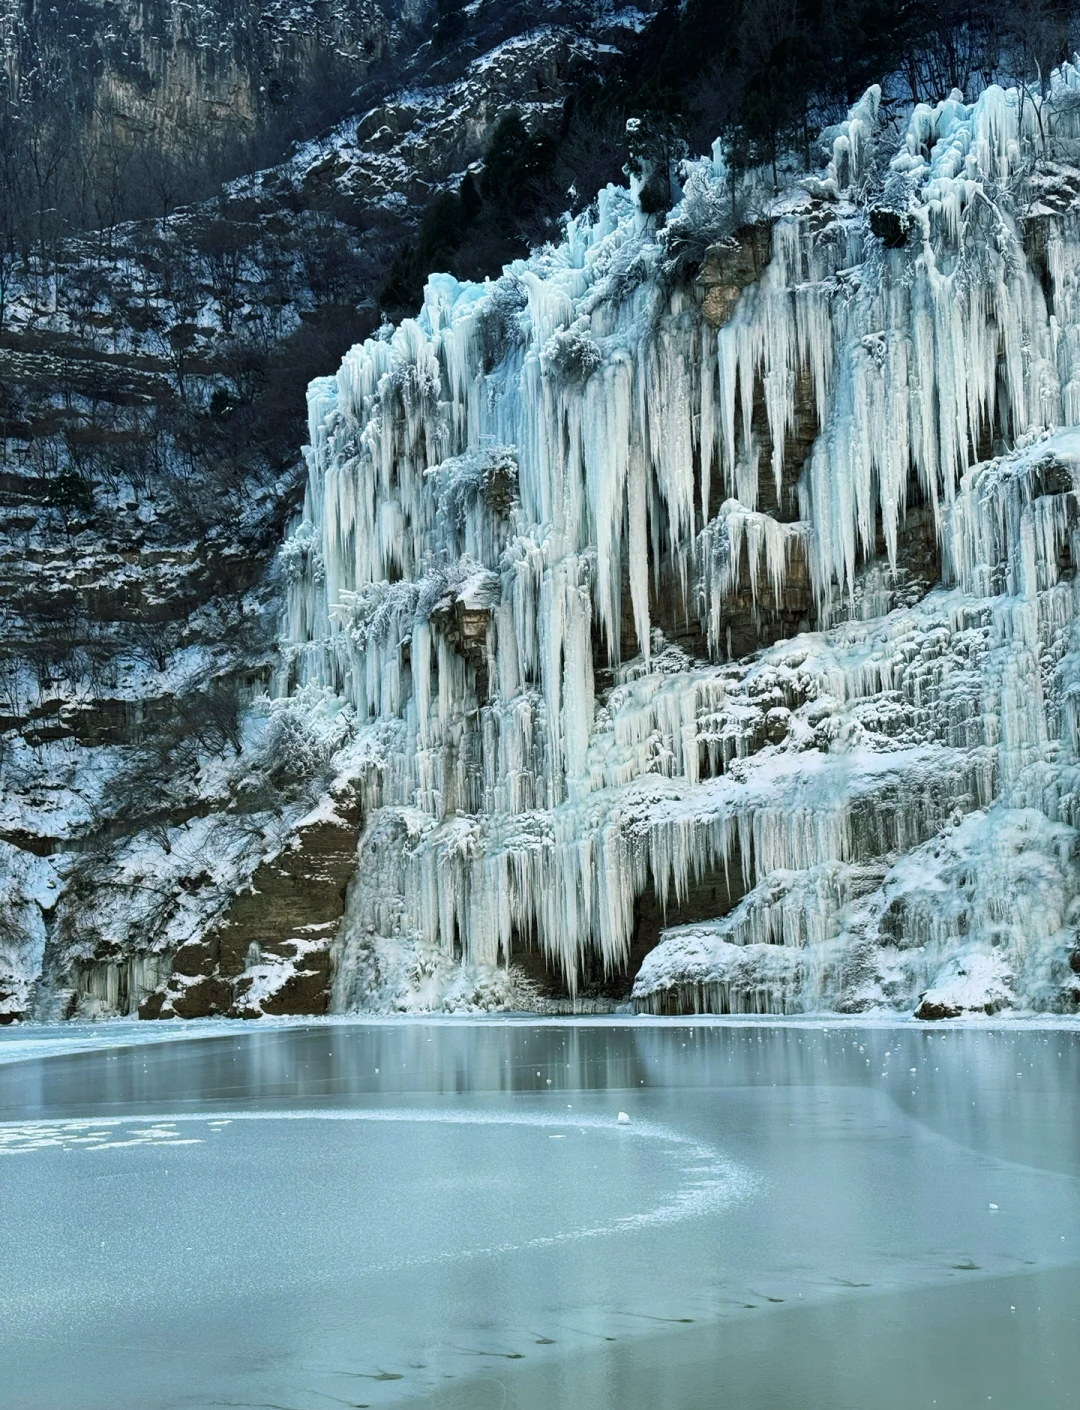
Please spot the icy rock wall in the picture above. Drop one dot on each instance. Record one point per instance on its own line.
(532, 509)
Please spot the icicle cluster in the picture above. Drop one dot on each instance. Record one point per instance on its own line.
(536, 512)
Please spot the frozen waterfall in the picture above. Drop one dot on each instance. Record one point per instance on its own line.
(748, 608)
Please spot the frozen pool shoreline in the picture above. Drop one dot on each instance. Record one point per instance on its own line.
(33, 1040)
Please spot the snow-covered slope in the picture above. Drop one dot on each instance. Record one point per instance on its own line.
(424, 136)
(549, 521)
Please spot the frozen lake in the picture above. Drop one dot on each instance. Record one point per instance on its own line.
(450, 1214)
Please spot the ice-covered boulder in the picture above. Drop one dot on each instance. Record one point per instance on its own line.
(973, 982)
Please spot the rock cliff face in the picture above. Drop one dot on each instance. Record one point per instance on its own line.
(174, 76)
(271, 950)
(681, 633)
(168, 832)
(713, 645)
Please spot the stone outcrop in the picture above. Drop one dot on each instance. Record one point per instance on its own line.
(270, 951)
(979, 983)
(420, 140)
(729, 267)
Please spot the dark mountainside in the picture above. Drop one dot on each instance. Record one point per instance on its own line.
(203, 209)
(154, 360)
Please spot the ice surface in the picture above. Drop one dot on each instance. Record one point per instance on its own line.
(377, 1212)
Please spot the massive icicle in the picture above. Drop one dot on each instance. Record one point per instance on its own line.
(547, 518)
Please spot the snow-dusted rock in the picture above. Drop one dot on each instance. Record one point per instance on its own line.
(969, 983)
(712, 636)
